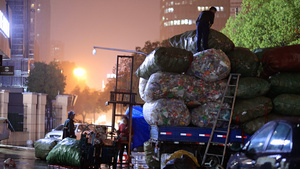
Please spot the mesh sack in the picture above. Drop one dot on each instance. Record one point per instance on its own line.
(249, 109)
(243, 61)
(167, 59)
(167, 112)
(188, 41)
(210, 65)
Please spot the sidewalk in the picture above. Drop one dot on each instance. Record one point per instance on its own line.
(16, 147)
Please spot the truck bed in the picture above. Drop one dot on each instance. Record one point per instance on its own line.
(194, 134)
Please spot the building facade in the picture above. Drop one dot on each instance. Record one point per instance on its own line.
(235, 7)
(5, 31)
(179, 16)
(28, 32)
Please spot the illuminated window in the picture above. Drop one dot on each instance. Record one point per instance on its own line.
(221, 8)
(4, 25)
(172, 3)
(169, 10)
(32, 5)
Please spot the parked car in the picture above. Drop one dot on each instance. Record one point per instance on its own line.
(57, 132)
(4, 131)
(275, 145)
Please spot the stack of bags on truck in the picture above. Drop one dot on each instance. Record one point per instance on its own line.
(269, 86)
(180, 87)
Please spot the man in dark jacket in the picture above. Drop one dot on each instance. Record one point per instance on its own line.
(69, 130)
(204, 22)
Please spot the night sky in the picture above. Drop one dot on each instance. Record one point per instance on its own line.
(121, 24)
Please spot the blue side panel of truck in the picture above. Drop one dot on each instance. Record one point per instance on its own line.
(194, 134)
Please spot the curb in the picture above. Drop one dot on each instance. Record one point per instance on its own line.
(16, 147)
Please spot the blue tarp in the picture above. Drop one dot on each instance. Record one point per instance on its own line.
(141, 129)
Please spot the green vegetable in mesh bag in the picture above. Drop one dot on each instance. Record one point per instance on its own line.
(188, 41)
(250, 87)
(149, 152)
(284, 83)
(66, 152)
(287, 104)
(249, 109)
(243, 61)
(252, 126)
(167, 59)
(42, 147)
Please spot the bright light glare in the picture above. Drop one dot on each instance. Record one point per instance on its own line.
(94, 52)
(79, 72)
(101, 119)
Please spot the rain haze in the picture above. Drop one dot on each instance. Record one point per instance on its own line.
(121, 24)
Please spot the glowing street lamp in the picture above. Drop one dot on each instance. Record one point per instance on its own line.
(79, 72)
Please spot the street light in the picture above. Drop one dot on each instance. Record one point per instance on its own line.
(122, 50)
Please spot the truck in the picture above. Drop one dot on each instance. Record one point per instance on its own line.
(209, 145)
(168, 139)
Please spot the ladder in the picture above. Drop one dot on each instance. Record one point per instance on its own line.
(232, 84)
(123, 97)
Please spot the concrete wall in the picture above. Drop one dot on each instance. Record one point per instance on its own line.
(4, 98)
(62, 101)
(34, 116)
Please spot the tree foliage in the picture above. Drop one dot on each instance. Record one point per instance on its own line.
(265, 23)
(46, 78)
(68, 68)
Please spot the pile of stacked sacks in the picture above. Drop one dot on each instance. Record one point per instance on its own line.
(180, 87)
(178, 77)
(269, 87)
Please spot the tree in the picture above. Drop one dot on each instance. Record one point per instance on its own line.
(265, 23)
(46, 78)
(68, 68)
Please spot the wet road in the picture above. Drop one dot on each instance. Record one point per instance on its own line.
(23, 157)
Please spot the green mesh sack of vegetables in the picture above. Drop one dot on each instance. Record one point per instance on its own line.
(188, 41)
(248, 109)
(66, 152)
(250, 87)
(165, 59)
(284, 83)
(252, 126)
(243, 61)
(287, 104)
(149, 152)
(43, 146)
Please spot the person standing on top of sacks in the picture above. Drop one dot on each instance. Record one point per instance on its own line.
(204, 21)
(69, 130)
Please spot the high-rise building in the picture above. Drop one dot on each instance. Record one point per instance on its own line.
(179, 16)
(28, 32)
(235, 7)
(42, 30)
(57, 50)
(4, 31)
